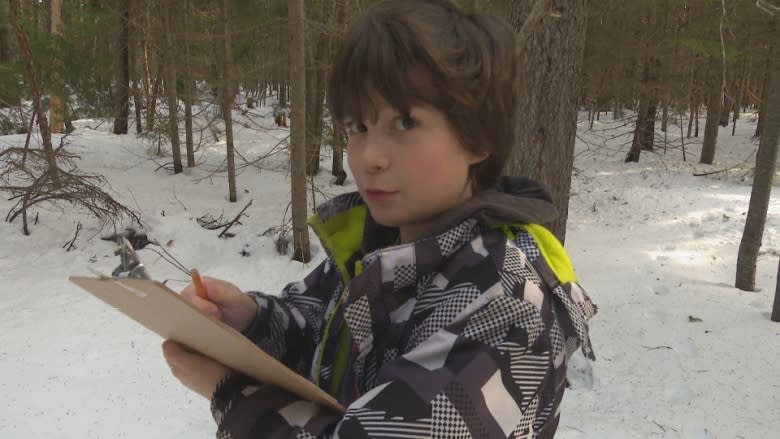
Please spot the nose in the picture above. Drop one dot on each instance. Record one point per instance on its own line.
(375, 152)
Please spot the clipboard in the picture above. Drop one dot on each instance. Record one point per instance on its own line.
(163, 311)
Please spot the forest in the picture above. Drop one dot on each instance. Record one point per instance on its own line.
(173, 72)
(200, 130)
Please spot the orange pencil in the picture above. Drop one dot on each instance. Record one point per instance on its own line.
(199, 287)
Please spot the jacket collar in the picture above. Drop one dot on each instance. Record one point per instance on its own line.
(345, 226)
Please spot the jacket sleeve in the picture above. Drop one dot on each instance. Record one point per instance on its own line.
(295, 318)
(490, 373)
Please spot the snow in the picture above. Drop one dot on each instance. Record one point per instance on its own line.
(681, 353)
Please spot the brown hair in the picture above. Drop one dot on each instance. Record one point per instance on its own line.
(432, 52)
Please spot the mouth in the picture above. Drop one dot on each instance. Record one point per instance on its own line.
(379, 195)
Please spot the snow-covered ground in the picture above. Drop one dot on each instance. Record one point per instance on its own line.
(681, 353)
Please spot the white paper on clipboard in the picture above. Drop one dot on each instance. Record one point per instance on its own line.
(163, 311)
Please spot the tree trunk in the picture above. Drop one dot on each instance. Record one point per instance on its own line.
(338, 24)
(298, 130)
(150, 90)
(132, 31)
(692, 92)
(764, 94)
(776, 306)
(189, 87)
(766, 160)
(315, 94)
(713, 121)
(644, 132)
(339, 143)
(227, 101)
(5, 35)
(741, 87)
(170, 87)
(122, 108)
(636, 143)
(151, 100)
(57, 102)
(33, 78)
(551, 59)
(665, 117)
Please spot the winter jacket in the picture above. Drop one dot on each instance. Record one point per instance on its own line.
(463, 333)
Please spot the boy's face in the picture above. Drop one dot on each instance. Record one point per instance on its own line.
(409, 168)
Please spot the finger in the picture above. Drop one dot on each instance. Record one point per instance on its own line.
(205, 305)
(177, 355)
(219, 291)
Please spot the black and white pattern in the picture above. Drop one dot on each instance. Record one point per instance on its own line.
(460, 335)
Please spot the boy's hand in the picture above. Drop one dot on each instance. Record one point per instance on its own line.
(225, 302)
(197, 372)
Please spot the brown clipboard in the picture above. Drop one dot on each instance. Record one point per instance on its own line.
(163, 311)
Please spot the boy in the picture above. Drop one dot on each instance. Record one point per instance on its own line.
(444, 309)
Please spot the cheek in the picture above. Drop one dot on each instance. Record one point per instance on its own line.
(349, 152)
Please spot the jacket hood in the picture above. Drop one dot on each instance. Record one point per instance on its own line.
(516, 200)
(345, 225)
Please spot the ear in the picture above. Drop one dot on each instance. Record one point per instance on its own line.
(477, 157)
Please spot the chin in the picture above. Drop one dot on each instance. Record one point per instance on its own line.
(385, 220)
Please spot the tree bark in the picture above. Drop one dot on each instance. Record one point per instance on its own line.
(5, 34)
(188, 89)
(297, 29)
(227, 101)
(766, 160)
(764, 94)
(338, 24)
(132, 39)
(776, 307)
(315, 95)
(32, 76)
(170, 87)
(692, 92)
(551, 59)
(713, 120)
(57, 100)
(644, 132)
(122, 107)
(339, 143)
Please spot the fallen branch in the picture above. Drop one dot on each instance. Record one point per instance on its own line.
(72, 243)
(208, 222)
(703, 174)
(25, 174)
(224, 233)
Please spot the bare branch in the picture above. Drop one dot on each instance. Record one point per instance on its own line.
(72, 243)
(768, 7)
(26, 175)
(235, 220)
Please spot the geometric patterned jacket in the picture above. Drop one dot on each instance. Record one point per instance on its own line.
(464, 333)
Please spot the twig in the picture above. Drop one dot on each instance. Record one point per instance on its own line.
(768, 8)
(166, 256)
(654, 348)
(71, 244)
(177, 198)
(235, 220)
(208, 222)
(703, 174)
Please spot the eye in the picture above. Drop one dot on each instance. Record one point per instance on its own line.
(355, 127)
(405, 123)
